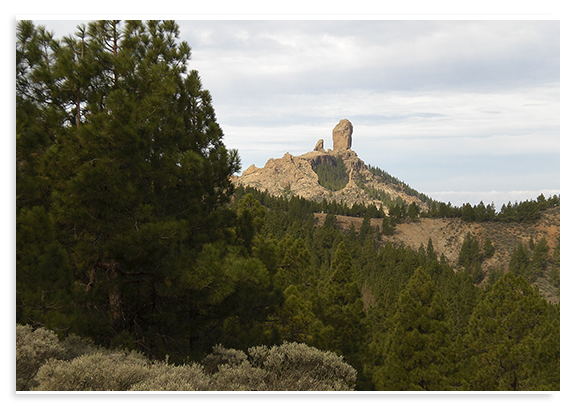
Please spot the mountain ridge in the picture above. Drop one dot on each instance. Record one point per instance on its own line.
(297, 175)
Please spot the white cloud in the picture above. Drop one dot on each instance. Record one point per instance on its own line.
(429, 100)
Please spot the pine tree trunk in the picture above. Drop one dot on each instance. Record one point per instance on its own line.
(115, 311)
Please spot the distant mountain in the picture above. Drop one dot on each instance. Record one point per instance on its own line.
(336, 174)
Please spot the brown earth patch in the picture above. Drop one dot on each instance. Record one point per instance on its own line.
(447, 237)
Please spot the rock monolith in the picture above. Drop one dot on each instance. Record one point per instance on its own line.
(342, 135)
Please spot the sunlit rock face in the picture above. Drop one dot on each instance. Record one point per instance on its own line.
(295, 175)
(342, 135)
(320, 145)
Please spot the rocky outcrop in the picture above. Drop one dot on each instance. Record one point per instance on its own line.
(342, 135)
(320, 145)
(295, 175)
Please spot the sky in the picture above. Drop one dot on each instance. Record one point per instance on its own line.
(463, 110)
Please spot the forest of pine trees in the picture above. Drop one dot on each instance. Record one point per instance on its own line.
(137, 259)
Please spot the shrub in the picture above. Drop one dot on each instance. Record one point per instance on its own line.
(99, 371)
(44, 363)
(164, 377)
(290, 366)
(296, 366)
(33, 349)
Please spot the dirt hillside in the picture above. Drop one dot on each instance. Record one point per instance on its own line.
(447, 237)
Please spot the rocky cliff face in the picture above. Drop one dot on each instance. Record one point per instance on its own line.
(342, 135)
(295, 175)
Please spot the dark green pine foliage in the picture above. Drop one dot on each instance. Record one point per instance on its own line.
(332, 176)
(519, 263)
(512, 341)
(430, 251)
(125, 153)
(251, 218)
(417, 348)
(554, 276)
(413, 211)
(488, 248)
(538, 260)
(365, 229)
(294, 267)
(470, 252)
(37, 119)
(340, 308)
(44, 283)
(44, 280)
(470, 258)
(388, 226)
(295, 318)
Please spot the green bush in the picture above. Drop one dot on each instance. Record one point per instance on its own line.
(164, 377)
(35, 347)
(296, 366)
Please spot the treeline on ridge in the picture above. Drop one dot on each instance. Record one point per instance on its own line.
(523, 211)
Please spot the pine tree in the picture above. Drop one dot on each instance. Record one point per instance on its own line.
(539, 258)
(388, 226)
(365, 229)
(338, 305)
(470, 252)
(136, 172)
(413, 211)
(417, 349)
(520, 261)
(504, 338)
(430, 251)
(295, 317)
(554, 276)
(44, 283)
(488, 248)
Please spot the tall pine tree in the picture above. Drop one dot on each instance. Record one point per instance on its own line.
(417, 349)
(507, 333)
(119, 142)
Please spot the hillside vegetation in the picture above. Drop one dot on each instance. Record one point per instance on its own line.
(142, 263)
(332, 174)
(447, 236)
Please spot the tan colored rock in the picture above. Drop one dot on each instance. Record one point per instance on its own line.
(296, 175)
(252, 169)
(342, 135)
(320, 145)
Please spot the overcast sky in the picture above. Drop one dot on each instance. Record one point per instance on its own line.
(462, 110)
